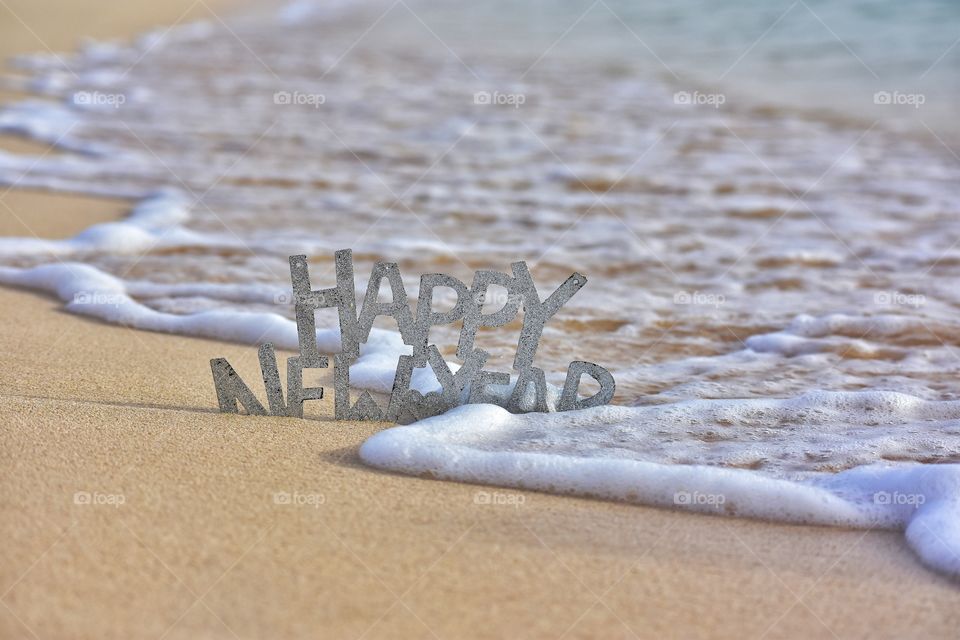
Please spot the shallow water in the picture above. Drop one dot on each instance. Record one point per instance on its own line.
(742, 251)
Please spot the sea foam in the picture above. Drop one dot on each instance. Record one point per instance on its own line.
(694, 201)
(90, 292)
(625, 454)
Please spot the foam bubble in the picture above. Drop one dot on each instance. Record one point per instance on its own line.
(623, 454)
(91, 292)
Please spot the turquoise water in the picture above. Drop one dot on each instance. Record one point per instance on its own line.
(811, 54)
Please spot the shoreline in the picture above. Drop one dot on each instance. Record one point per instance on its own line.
(60, 26)
(199, 511)
(193, 523)
(52, 27)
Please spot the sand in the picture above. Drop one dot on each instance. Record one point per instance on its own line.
(200, 548)
(56, 26)
(204, 546)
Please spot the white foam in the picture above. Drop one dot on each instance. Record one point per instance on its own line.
(47, 122)
(609, 453)
(91, 292)
(839, 333)
(697, 209)
(155, 223)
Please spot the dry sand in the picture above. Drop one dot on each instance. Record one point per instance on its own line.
(56, 26)
(201, 548)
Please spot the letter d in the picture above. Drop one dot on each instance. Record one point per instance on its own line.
(568, 399)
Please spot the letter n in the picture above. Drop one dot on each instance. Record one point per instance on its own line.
(231, 389)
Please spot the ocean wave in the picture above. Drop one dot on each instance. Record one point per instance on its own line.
(643, 455)
(738, 257)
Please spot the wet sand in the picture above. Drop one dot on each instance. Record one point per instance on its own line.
(202, 545)
(188, 532)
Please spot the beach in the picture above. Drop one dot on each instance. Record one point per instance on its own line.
(200, 548)
(58, 27)
(133, 508)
